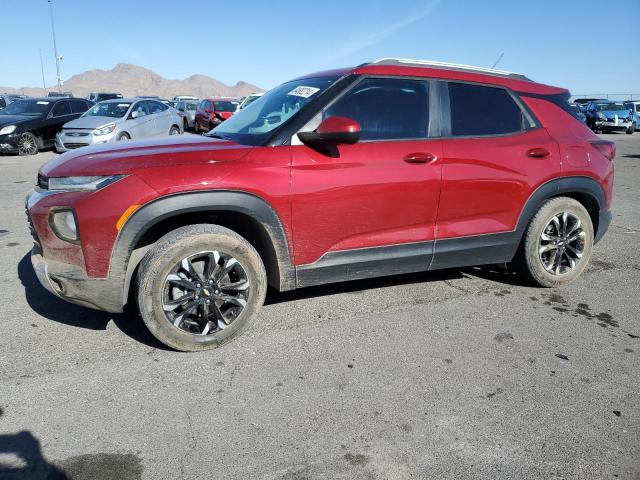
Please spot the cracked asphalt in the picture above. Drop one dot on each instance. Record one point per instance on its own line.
(460, 373)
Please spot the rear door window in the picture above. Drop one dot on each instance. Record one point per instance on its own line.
(386, 108)
(478, 110)
(61, 108)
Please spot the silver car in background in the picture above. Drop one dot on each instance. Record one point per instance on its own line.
(120, 119)
(188, 107)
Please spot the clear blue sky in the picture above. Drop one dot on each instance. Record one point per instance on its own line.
(561, 42)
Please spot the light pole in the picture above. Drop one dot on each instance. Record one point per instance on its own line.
(44, 85)
(55, 48)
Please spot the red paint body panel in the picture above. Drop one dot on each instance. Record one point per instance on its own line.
(385, 199)
(486, 181)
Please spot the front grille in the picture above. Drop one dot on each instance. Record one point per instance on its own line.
(43, 181)
(75, 145)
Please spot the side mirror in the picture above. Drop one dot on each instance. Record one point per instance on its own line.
(333, 131)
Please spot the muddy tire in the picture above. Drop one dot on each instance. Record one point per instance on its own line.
(557, 244)
(200, 286)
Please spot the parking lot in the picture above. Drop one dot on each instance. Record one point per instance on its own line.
(460, 373)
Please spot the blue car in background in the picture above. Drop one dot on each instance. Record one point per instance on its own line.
(605, 116)
(634, 106)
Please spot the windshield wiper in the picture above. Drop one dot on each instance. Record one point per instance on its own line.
(216, 135)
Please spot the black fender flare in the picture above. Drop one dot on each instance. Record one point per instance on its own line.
(219, 200)
(556, 187)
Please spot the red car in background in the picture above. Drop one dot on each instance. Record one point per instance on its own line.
(211, 112)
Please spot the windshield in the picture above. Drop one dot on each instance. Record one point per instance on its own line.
(253, 124)
(610, 107)
(224, 106)
(191, 105)
(32, 108)
(108, 109)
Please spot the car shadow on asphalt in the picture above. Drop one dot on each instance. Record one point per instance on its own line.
(53, 308)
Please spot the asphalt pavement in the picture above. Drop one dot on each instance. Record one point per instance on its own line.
(461, 373)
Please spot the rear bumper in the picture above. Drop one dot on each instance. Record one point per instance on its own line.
(71, 283)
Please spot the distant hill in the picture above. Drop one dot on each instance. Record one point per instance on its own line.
(132, 80)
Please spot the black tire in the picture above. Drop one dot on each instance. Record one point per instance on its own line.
(28, 144)
(631, 129)
(167, 255)
(530, 260)
(123, 136)
(174, 130)
(185, 126)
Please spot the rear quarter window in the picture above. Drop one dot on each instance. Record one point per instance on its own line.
(478, 110)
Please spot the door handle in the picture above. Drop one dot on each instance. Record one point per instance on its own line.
(538, 153)
(420, 157)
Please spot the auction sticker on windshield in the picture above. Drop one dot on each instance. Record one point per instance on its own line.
(304, 92)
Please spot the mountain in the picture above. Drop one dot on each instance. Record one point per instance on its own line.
(132, 80)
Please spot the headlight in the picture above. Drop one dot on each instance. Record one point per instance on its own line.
(63, 224)
(601, 116)
(81, 183)
(104, 130)
(7, 130)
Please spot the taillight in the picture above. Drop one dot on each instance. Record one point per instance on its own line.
(606, 148)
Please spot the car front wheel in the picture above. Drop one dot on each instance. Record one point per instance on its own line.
(631, 129)
(200, 286)
(28, 144)
(557, 243)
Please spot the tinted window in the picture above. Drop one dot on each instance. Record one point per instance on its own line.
(479, 110)
(202, 105)
(61, 108)
(79, 106)
(386, 109)
(2, 103)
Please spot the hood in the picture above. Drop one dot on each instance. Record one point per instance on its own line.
(15, 119)
(624, 113)
(90, 122)
(124, 158)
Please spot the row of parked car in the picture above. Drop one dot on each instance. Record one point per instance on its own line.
(28, 125)
(602, 115)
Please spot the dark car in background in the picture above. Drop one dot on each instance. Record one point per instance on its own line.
(213, 111)
(7, 98)
(96, 97)
(607, 115)
(29, 125)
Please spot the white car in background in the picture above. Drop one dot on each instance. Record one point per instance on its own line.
(120, 119)
(248, 99)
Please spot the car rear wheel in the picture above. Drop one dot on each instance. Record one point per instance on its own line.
(200, 286)
(123, 136)
(174, 130)
(557, 243)
(28, 144)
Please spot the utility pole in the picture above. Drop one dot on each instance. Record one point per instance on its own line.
(55, 48)
(498, 60)
(42, 69)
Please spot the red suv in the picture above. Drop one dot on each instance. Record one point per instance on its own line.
(211, 112)
(390, 167)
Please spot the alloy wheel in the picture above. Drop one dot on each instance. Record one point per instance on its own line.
(27, 144)
(562, 243)
(205, 292)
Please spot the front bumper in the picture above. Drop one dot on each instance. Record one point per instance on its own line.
(71, 283)
(613, 125)
(9, 143)
(72, 139)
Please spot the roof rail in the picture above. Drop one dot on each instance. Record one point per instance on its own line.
(446, 66)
